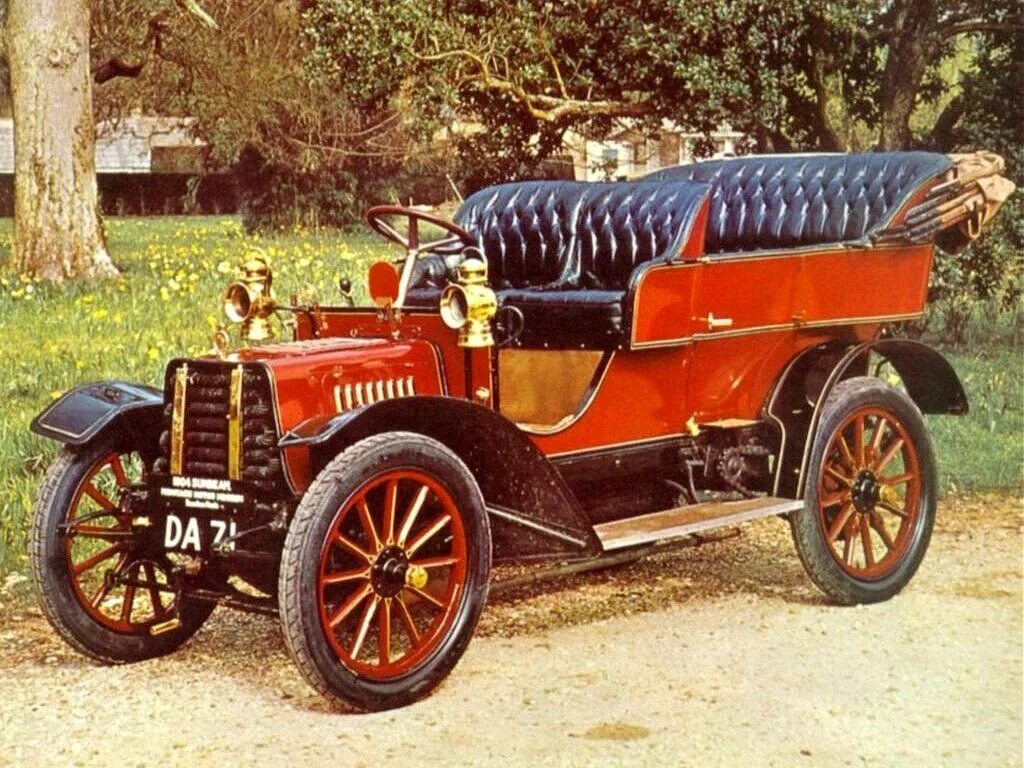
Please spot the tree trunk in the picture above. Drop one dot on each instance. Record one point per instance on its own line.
(57, 233)
(910, 49)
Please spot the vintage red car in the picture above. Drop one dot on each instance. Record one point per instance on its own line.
(566, 373)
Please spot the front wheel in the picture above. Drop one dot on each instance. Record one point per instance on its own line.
(99, 579)
(870, 494)
(384, 572)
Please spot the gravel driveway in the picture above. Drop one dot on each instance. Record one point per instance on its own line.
(721, 655)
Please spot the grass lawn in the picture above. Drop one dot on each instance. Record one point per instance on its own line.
(167, 303)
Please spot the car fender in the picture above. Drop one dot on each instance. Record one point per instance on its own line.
(797, 399)
(534, 514)
(88, 412)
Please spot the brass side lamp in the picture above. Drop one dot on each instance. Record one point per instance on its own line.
(249, 301)
(469, 305)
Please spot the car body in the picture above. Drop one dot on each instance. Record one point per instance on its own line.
(574, 371)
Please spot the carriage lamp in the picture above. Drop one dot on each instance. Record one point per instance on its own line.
(469, 305)
(249, 302)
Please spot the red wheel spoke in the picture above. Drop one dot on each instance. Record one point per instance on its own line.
(99, 532)
(101, 593)
(429, 598)
(841, 519)
(865, 540)
(425, 535)
(350, 605)
(879, 525)
(99, 557)
(877, 435)
(897, 479)
(364, 627)
(345, 576)
(129, 596)
(411, 514)
(352, 547)
(367, 521)
(390, 502)
(384, 633)
(858, 438)
(895, 510)
(407, 621)
(153, 587)
(838, 477)
(99, 497)
(844, 449)
(119, 474)
(890, 454)
(435, 562)
(831, 499)
(850, 536)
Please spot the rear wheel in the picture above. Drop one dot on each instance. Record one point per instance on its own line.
(384, 573)
(870, 494)
(98, 578)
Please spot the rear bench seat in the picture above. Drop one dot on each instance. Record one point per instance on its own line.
(563, 253)
(793, 201)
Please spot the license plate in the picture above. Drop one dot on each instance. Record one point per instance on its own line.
(197, 534)
(199, 512)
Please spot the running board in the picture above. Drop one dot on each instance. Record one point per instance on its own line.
(694, 518)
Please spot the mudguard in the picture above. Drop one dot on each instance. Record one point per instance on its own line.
(83, 414)
(797, 399)
(534, 514)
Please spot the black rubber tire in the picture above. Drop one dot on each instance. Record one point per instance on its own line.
(53, 588)
(806, 524)
(297, 589)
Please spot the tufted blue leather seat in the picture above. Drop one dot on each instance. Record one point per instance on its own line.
(563, 252)
(805, 200)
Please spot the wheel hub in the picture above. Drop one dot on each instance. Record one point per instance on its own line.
(388, 572)
(865, 491)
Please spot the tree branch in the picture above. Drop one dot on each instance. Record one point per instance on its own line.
(543, 107)
(966, 27)
(116, 67)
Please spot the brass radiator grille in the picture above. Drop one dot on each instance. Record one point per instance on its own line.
(220, 423)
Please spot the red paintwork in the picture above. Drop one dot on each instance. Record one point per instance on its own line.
(309, 378)
(780, 304)
(781, 289)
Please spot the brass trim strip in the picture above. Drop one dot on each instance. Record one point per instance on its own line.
(235, 425)
(790, 326)
(178, 419)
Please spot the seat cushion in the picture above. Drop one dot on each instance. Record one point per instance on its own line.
(567, 319)
(803, 200)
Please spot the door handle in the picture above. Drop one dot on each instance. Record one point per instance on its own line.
(714, 323)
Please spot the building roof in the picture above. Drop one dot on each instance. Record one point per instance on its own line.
(124, 144)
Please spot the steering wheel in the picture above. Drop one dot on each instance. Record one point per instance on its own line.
(457, 238)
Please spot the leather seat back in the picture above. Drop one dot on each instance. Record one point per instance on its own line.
(803, 200)
(578, 235)
(527, 230)
(624, 225)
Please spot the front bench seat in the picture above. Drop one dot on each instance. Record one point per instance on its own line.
(563, 253)
(793, 201)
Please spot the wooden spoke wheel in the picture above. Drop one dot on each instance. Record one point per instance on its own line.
(99, 578)
(870, 494)
(384, 573)
(391, 573)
